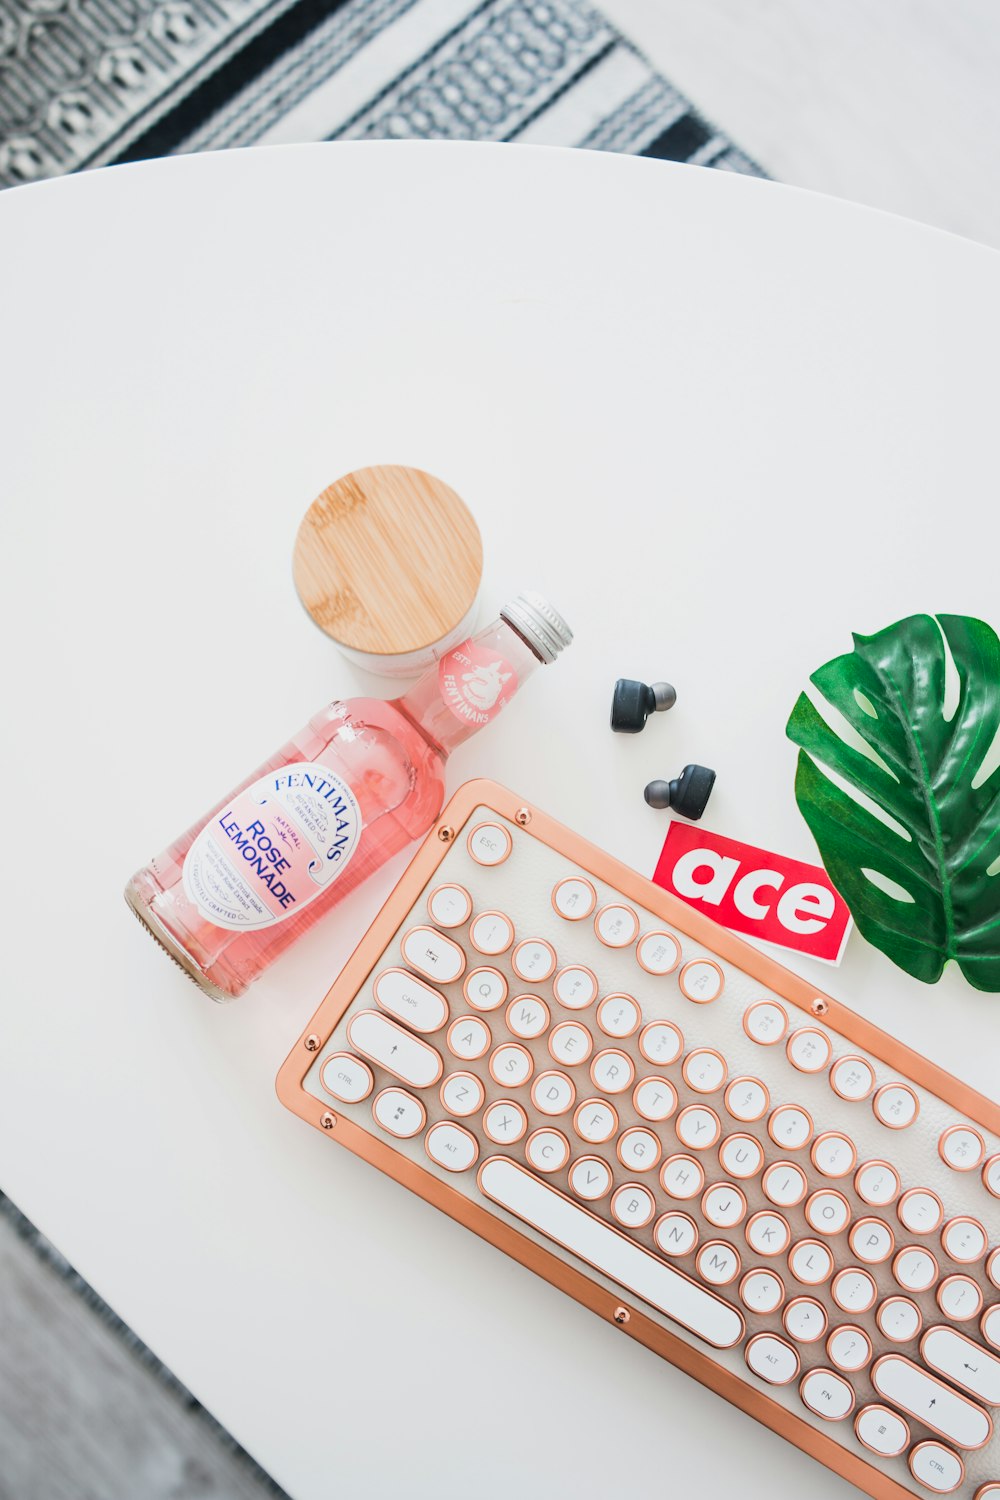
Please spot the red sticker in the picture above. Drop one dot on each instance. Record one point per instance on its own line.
(749, 890)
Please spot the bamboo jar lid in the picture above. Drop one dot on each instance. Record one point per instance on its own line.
(388, 562)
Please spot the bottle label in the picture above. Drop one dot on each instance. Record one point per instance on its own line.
(274, 848)
(475, 682)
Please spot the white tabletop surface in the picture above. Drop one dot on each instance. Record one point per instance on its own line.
(720, 422)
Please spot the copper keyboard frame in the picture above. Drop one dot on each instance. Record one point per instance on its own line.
(793, 987)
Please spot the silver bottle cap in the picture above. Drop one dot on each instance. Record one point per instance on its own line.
(543, 627)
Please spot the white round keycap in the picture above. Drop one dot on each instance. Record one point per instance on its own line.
(772, 1359)
(661, 1042)
(961, 1147)
(852, 1078)
(804, 1320)
(658, 952)
(469, 1038)
(638, 1149)
(809, 1050)
(462, 1094)
(833, 1154)
(451, 1146)
(919, 1210)
(505, 1122)
(612, 1071)
(547, 1150)
(747, 1099)
(765, 1022)
(574, 898)
(346, 1077)
(682, 1177)
(899, 1319)
(936, 1467)
(991, 1175)
(828, 1212)
(701, 981)
(485, 989)
(767, 1233)
(489, 844)
(449, 905)
(871, 1240)
(959, 1298)
(675, 1234)
(810, 1262)
(575, 988)
(595, 1121)
(849, 1348)
(511, 1065)
(789, 1127)
(533, 960)
(618, 1015)
(762, 1291)
(991, 1325)
(741, 1156)
(827, 1395)
(654, 1099)
(552, 1093)
(853, 1291)
(895, 1105)
(590, 1178)
(784, 1184)
(724, 1205)
(617, 926)
(492, 932)
(993, 1266)
(698, 1126)
(570, 1043)
(882, 1431)
(704, 1070)
(718, 1263)
(399, 1113)
(915, 1269)
(877, 1183)
(527, 1017)
(964, 1239)
(633, 1205)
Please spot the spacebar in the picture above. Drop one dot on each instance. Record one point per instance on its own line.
(578, 1230)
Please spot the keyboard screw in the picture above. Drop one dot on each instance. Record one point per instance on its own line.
(819, 1007)
(328, 1121)
(522, 816)
(622, 1315)
(446, 834)
(312, 1043)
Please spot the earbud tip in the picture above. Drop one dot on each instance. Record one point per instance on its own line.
(664, 695)
(657, 794)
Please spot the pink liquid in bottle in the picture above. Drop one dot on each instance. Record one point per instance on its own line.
(363, 779)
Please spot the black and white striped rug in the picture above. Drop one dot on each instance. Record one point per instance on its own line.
(85, 83)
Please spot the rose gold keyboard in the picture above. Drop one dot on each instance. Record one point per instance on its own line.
(689, 1139)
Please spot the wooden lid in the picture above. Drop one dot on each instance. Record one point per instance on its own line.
(388, 560)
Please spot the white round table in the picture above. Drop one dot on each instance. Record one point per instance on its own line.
(720, 422)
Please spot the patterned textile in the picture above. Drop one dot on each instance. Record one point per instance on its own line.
(85, 83)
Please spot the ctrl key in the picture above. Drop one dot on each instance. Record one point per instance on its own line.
(346, 1077)
(936, 1467)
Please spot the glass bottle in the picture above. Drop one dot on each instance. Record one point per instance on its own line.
(363, 779)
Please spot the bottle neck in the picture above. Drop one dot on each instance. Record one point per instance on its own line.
(470, 684)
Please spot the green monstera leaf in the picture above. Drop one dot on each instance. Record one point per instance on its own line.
(899, 781)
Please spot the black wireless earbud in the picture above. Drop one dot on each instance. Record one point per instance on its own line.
(688, 795)
(633, 702)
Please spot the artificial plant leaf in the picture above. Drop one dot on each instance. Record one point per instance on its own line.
(922, 880)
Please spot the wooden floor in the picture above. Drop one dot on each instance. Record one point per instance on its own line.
(891, 104)
(82, 1416)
